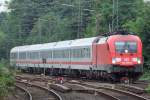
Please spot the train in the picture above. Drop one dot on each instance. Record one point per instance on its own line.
(115, 56)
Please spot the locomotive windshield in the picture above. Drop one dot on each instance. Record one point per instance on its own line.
(128, 47)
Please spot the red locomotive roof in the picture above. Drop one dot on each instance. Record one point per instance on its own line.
(123, 38)
(114, 38)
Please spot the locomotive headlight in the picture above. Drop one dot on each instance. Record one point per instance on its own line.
(138, 61)
(113, 60)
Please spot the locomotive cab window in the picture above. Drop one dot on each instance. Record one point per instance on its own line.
(127, 46)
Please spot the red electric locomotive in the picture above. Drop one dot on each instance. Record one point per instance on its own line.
(120, 55)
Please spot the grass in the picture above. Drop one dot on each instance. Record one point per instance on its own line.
(148, 89)
(146, 76)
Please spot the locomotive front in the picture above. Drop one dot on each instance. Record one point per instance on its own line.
(126, 56)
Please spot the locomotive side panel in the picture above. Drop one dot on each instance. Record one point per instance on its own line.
(103, 57)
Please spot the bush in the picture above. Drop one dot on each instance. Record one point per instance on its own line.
(6, 79)
(146, 76)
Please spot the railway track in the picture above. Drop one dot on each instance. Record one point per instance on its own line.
(27, 95)
(79, 93)
(38, 92)
(87, 95)
(141, 84)
(119, 94)
(106, 91)
(76, 94)
(137, 87)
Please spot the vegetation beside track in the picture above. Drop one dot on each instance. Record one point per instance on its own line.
(6, 79)
(146, 75)
(148, 89)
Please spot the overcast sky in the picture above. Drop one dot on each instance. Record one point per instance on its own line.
(2, 6)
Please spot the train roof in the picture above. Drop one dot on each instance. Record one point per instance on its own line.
(83, 42)
(55, 45)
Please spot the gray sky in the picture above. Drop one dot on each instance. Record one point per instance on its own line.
(146, 0)
(2, 5)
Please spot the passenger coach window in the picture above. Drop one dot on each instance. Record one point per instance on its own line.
(13, 55)
(22, 55)
(34, 55)
(122, 46)
(81, 53)
(45, 54)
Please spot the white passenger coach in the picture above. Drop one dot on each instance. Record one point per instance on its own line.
(72, 54)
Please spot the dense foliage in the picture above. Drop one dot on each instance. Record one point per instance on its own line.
(40, 21)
